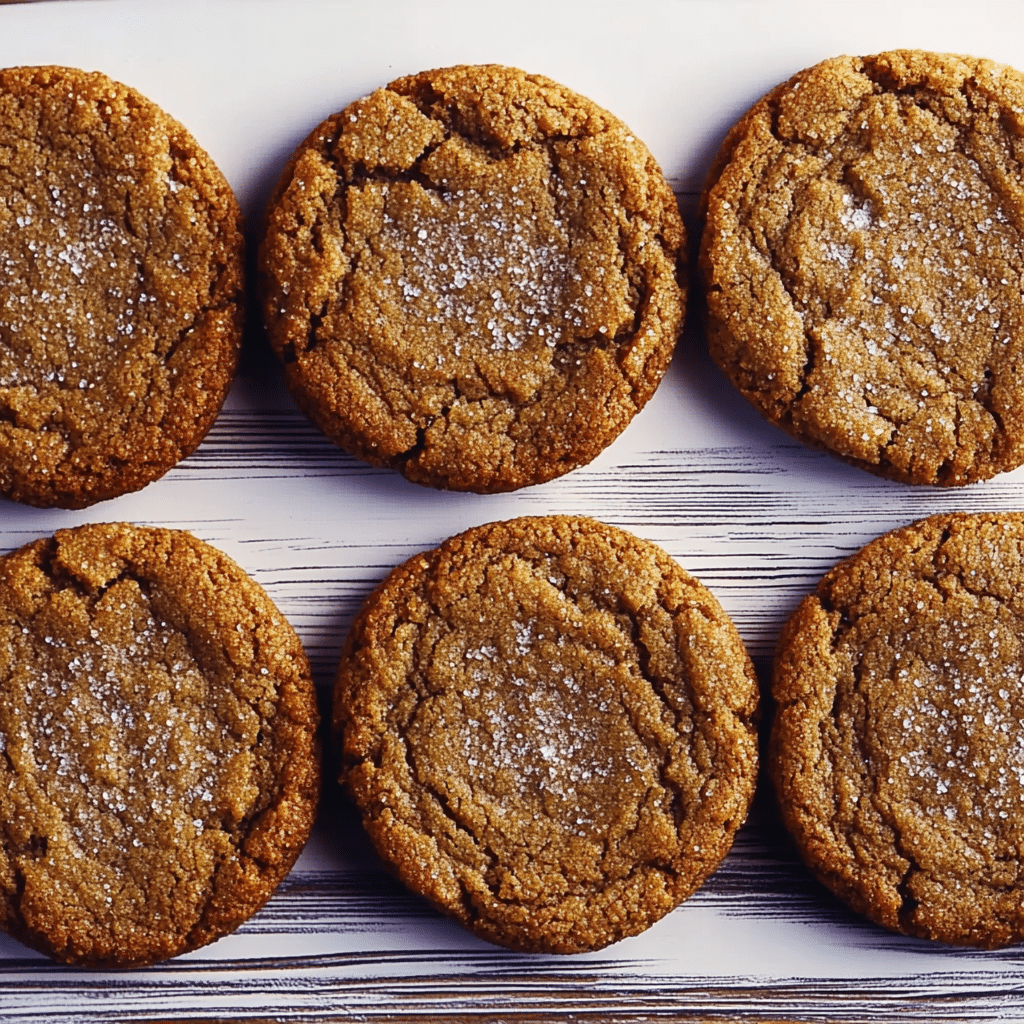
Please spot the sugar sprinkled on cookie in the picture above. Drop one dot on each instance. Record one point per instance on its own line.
(159, 768)
(120, 288)
(473, 276)
(863, 257)
(898, 744)
(549, 728)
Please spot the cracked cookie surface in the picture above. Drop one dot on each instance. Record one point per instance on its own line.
(897, 749)
(863, 262)
(121, 296)
(548, 726)
(159, 767)
(473, 276)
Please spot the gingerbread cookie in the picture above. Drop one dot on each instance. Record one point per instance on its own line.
(473, 276)
(159, 766)
(863, 258)
(897, 750)
(549, 729)
(121, 306)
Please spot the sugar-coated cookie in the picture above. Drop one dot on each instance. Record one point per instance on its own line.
(159, 766)
(548, 726)
(473, 276)
(863, 260)
(897, 748)
(120, 288)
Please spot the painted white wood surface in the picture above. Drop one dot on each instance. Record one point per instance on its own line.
(754, 515)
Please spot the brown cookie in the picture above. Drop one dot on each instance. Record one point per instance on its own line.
(863, 261)
(159, 766)
(549, 728)
(897, 749)
(121, 297)
(473, 276)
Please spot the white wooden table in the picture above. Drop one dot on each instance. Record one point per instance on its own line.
(754, 515)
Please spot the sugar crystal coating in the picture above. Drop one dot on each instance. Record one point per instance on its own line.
(473, 276)
(158, 763)
(548, 726)
(898, 745)
(863, 256)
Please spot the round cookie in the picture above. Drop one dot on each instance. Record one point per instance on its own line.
(549, 729)
(473, 276)
(159, 765)
(863, 260)
(897, 749)
(121, 306)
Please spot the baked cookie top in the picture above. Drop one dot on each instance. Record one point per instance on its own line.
(159, 767)
(121, 304)
(473, 276)
(897, 750)
(549, 728)
(863, 261)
